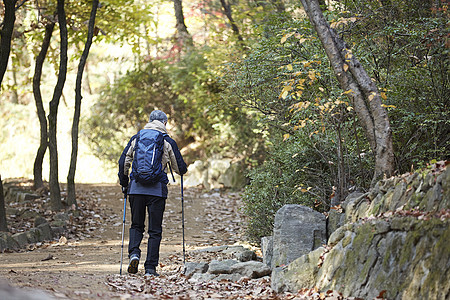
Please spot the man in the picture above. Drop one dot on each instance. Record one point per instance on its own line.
(148, 196)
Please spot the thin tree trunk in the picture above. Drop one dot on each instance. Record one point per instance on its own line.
(279, 5)
(360, 89)
(183, 35)
(37, 169)
(71, 197)
(6, 35)
(227, 9)
(55, 192)
(3, 223)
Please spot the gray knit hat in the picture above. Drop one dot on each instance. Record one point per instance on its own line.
(158, 115)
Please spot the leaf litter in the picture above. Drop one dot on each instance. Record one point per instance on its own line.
(212, 219)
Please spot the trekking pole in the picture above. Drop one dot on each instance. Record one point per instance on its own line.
(123, 228)
(182, 219)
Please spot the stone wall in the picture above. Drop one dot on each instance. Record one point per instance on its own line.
(394, 240)
(40, 229)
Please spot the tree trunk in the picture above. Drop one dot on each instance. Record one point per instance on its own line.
(3, 224)
(227, 9)
(55, 192)
(6, 34)
(71, 194)
(279, 6)
(360, 90)
(37, 169)
(183, 36)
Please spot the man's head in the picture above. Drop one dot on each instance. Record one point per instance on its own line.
(158, 115)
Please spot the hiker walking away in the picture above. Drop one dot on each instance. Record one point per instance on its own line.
(151, 153)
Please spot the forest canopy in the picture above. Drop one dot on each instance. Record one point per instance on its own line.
(248, 80)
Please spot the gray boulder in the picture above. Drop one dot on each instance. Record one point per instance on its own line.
(297, 231)
(46, 232)
(267, 250)
(10, 292)
(21, 238)
(39, 220)
(192, 267)
(251, 269)
(221, 266)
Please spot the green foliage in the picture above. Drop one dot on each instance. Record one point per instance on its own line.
(125, 108)
(287, 80)
(316, 146)
(405, 48)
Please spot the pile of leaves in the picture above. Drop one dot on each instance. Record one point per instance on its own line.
(174, 285)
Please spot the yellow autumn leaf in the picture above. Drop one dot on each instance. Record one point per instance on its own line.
(388, 106)
(348, 92)
(349, 108)
(286, 136)
(289, 67)
(286, 36)
(284, 94)
(383, 95)
(314, 132)
(371, 96)
(345, 67)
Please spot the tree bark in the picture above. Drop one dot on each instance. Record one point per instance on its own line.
(55, 192)
(3, 223)
(71, 194)
(37, 169)
(6, 35)
(183, 35)
(360, 89)
(279, 5)
(227, 9)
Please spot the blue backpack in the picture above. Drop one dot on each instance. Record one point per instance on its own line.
(148, 151)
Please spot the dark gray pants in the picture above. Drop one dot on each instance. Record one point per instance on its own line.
(155, 207)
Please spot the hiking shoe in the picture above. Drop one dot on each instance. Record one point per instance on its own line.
(151, 272)
(134, 263)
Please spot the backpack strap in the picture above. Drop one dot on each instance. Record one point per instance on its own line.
(171, 171)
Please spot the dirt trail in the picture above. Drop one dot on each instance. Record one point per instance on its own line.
(82, 267)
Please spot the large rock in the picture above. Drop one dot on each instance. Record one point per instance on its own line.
(267, 250)
(7, 242)
(251, 269)
(297, 231)
(21, 238)
(216, 173)
(395, 240)
(298, 274)
(221, 266)
(197, 175)
(8, 292)
(234, 176)
(193, 267)
(410, 260)
(46, 231)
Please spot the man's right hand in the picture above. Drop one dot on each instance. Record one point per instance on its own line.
(124, 189)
